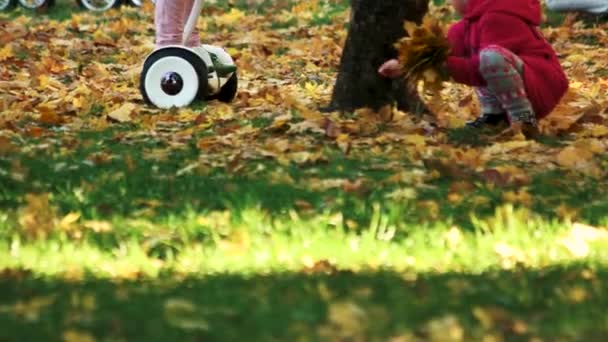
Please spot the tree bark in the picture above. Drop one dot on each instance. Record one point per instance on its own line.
(375, 26)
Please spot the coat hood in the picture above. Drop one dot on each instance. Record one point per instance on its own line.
(528, 10)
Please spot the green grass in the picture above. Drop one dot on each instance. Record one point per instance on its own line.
(214, 255)
(287, 306)
(326, 14)
(310, 279)
(144, 238)
(63, 10)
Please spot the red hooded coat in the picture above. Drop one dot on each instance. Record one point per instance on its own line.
(513, 25)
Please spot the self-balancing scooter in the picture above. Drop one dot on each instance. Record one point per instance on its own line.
(176, 75)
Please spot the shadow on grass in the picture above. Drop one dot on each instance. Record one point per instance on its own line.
(560, 303)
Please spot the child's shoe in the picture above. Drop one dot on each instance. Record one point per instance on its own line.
(525, 122)
(488, 119)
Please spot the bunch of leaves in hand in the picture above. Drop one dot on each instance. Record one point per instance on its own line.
(424, 51)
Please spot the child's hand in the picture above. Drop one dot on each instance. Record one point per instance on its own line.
(391, 69)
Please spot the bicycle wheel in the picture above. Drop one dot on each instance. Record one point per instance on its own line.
(98, 5)
(7, 5)
(34, 4)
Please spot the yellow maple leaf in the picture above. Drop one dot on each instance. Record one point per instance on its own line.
(221, 111)
(6, 146)
(122, 114)
(578, 239)
(453, 237)
(423, 52)
(43, 81)
(6, 52)
(598, 131)
(67, 222)
(184, 314)
(313, 90)
(577, 294)
(415, 139)
(79, 102)
(572, 157)
(30, 309)
(446, 328)
(577, 247)
(518, 197)
(348, 316)
(37, 218)
(510, 256)
(343, 141)
(102, 38)
(72, 335)
(230, 18)
(98, 226)
(410, 28)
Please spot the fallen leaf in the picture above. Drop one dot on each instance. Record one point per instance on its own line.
(573, 157)
(67, 222)
(72, 335)
(348, 317)
(122, 114)
(578, 294)
(31, 308)
(37, 218)
(98, 226)
(453, 237)
(184, 314)
(510, 255)
(6, 146)
(578, 238)
(446, 328)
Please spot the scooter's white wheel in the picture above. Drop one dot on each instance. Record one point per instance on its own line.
(98, 5)
(229, 90)
(35, 4)
(6, 5)
(173, 77)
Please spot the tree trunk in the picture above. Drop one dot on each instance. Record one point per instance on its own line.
(375, 26)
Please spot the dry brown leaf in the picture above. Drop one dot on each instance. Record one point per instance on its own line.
(37, 218)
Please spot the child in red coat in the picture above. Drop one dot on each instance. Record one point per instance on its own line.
(498, 49)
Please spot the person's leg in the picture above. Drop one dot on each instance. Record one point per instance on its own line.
(488, 102)
(503, 72)
(591, 6)
(169, 19)
(492, 112)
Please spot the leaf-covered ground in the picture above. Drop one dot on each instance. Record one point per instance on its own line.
(266, 218)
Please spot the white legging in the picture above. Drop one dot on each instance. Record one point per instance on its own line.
(593, 6)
